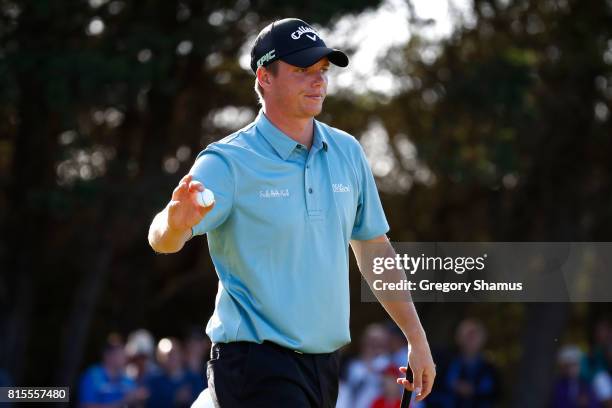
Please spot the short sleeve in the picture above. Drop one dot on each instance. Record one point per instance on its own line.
(370, 220)
(214, 172)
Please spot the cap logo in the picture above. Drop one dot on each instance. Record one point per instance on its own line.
(304, 30)
(266, 57)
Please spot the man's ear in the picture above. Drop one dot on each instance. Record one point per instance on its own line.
(263, 76)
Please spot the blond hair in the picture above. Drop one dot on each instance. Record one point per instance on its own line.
(272, 69)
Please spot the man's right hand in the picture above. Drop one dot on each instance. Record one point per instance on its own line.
(171, 228)
(183, 210)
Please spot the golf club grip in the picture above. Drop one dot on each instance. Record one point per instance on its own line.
(407, 395)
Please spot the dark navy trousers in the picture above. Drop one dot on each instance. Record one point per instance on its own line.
(266, 375)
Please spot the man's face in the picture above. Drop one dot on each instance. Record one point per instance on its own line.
(115, 358)
(299, 92)
(471, 338)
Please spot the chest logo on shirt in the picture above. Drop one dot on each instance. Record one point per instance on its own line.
(341, 188)
(274, 193)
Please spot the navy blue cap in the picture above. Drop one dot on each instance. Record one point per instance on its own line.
(295, 42)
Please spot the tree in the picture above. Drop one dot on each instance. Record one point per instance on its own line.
(102, 105)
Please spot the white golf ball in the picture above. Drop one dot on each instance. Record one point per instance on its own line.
(205, 198)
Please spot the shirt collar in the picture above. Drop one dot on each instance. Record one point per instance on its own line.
(319, 140)
(283, 144)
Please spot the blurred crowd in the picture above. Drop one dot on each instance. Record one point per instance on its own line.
(142, 373)
(584, 378)
(464, 378)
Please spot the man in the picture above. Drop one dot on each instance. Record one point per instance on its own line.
(290, 193)
(364, 374)
(107, 385)
(471, 379)
(174, 385)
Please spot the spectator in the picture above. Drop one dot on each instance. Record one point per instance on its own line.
(172, 387)
(595, 361)
(602, 381)
(570, 391)
(197, 348)
(106, 385)
(5, 379)
(140, 348)
(472, 381)
(363, 381)
(391, 396)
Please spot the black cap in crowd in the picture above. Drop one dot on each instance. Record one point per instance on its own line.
(295, 42)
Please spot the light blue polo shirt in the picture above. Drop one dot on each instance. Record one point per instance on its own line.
(279, 233)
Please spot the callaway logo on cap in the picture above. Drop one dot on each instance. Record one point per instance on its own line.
(295, 42)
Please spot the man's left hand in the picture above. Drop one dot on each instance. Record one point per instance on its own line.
(423, 371)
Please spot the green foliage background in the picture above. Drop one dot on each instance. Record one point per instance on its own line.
(512, 120)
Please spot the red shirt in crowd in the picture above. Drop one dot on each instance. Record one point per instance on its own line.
(382, 402)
